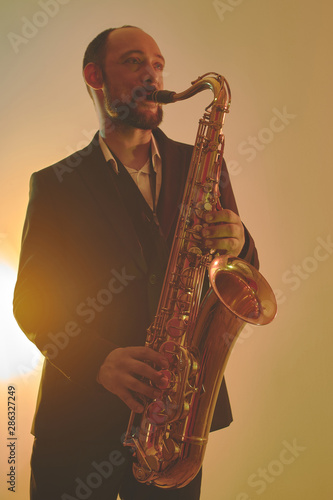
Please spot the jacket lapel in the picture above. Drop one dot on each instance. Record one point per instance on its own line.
(175, 161)
(99, 179)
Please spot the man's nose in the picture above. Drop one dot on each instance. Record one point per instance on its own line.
(152, 77)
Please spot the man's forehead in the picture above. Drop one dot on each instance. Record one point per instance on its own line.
(126, 40)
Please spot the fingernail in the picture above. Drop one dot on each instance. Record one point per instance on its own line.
(209, 218)
(205, 232)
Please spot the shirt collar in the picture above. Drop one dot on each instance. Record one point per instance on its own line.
(155, 154)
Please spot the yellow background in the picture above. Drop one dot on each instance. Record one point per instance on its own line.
(276, 57)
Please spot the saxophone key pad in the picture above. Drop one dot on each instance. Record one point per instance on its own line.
(176, 327)
(156, 413)
(170, 449)
(196, 232)
(208, 206)
(186, 277)
(208, 187)
(167, 379)
(170, 350)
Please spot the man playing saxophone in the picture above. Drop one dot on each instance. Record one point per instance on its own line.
(95, 246)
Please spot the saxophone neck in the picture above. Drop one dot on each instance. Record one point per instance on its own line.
(213, 81)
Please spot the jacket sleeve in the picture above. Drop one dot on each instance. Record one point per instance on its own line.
(249, 251)
(42, 298)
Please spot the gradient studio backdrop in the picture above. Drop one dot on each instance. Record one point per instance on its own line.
(274, 54)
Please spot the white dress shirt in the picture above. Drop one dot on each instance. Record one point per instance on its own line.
(141, 177)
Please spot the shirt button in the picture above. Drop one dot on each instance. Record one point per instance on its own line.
(153, 279)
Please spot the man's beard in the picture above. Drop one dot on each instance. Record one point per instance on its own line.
(128, 113)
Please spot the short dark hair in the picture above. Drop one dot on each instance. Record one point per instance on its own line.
(96, 50)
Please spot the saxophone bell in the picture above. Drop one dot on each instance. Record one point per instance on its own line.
(242, 289)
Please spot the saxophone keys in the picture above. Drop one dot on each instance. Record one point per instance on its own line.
(166, 379)
(194, 251)
(156, 413)
(169, 349)
(153, 462)
(183, 303)
(199, 210)
(150, 335)
(170, 449)
(185, 410)
(196, 232)
(186, 277)
(194, 367)
(210, 145)
(141, 474)
(176, 327)
(208, 187)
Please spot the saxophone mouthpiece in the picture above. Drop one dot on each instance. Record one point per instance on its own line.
(161, 96)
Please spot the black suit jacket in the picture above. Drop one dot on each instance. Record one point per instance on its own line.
(83, 283)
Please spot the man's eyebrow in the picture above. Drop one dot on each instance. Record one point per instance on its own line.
(134, 51)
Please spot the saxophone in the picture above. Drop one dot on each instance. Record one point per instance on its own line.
(196, 336)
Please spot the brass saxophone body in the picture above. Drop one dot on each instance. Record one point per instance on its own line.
(170, 436)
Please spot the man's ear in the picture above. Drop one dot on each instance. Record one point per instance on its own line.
(93, 76)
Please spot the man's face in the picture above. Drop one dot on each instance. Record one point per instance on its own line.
(133, 67)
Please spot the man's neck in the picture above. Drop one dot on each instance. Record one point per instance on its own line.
(130, 145)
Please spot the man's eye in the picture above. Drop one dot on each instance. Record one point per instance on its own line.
(133, 60)
(159, 66)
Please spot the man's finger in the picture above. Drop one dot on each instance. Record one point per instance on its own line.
(231, 246)
(136, 385)
(132, 403)
(224, 215)
(148, 354)
(221, 231)
(146, 371)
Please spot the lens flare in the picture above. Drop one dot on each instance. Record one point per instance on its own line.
(18, 356)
